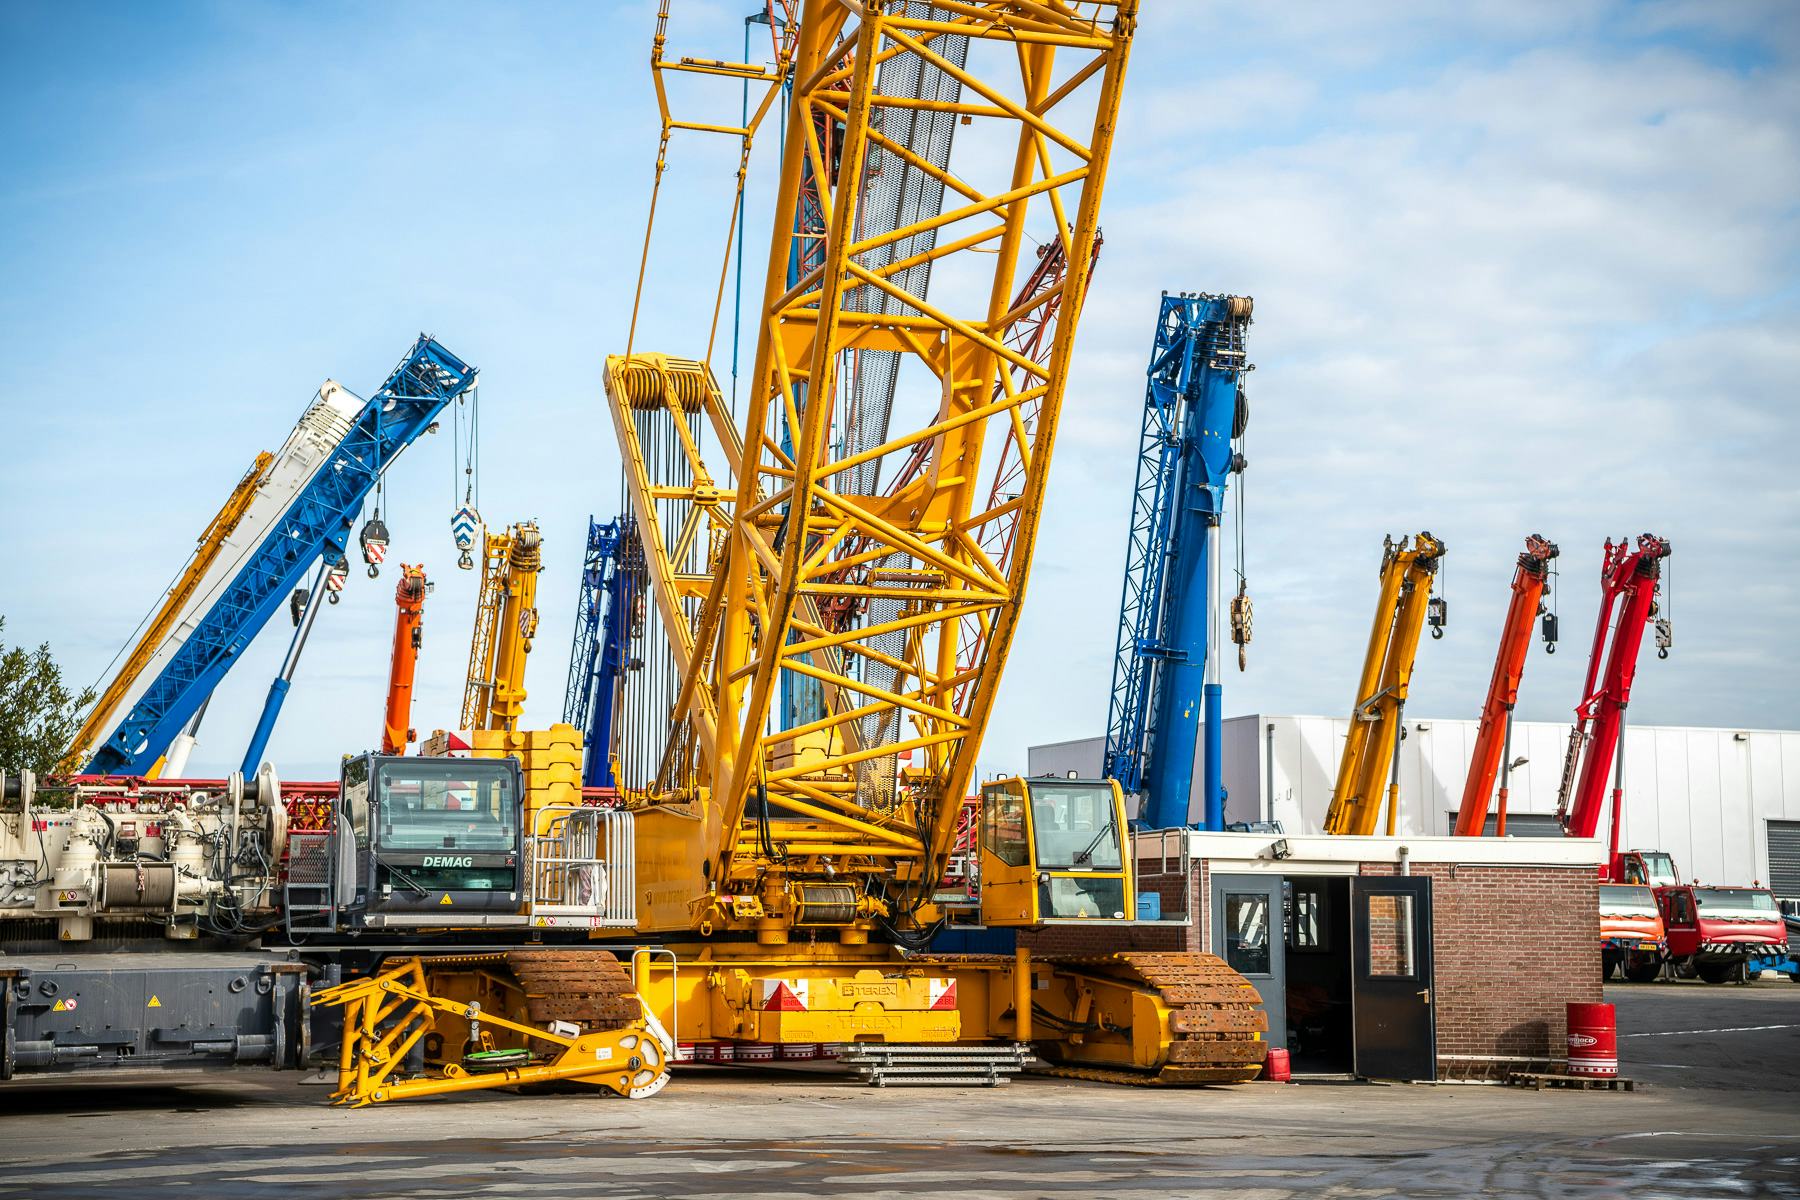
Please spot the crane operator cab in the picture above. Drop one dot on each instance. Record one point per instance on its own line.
(1053, 850)
(431, 841)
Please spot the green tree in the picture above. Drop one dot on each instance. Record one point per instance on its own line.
(38, 715)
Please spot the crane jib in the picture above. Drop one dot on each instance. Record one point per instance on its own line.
(316, 522)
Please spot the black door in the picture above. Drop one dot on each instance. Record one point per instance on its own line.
(1247, 934)
(1390, 977)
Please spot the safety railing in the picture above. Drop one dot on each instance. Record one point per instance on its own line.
(1166, 869)
(583, 868)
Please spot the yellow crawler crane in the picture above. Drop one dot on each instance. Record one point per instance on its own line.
(777, 873)
(772, 555)
(505, 622)
(1371, 753)
(741, 546)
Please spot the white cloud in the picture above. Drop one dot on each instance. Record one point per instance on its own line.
(1521, 274)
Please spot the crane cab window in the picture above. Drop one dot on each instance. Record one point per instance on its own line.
(1626, 900)
(1076, 835)
(1003, 825)
(355, 792)
(1653, 867)
(1075, 826)
(446, 804)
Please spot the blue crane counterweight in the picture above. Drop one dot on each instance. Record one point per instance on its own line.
(1165, 677)
(316, 523)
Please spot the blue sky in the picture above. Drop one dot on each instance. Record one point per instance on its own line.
(1518, 268)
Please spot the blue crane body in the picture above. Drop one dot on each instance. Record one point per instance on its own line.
(600, 649)
(1165, 676)
(317, 523)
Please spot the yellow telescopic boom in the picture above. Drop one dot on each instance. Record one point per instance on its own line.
(505, 622)
(1371, 751)
(100, 717)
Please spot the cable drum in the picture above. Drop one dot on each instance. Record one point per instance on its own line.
(146, 886)
(824, 904)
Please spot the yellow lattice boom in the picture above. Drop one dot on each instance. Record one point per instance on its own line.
(775, 556)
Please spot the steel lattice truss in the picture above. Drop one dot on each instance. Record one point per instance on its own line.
(745, 553)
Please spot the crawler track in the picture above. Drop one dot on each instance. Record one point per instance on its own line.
(589, 988)
(1209, 1021)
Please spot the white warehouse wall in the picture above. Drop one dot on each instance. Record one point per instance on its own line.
(1704, 795)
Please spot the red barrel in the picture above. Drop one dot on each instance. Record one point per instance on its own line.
(1276, 1067)
(1593, 1040)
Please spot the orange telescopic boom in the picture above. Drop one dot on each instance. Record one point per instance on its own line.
(1493, 740)
(409, 601)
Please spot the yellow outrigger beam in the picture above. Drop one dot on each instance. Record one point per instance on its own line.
(386, 1015)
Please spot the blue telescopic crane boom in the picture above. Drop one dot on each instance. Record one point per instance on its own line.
(590, 602)
(316, 524)
(600, 650)
(1166, 676)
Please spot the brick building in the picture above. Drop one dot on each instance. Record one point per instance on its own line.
(1406, 957)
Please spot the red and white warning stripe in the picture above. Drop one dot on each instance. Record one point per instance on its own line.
(782, 995)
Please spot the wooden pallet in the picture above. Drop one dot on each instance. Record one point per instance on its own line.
(1538, 1081)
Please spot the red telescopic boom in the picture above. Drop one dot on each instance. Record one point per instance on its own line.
(1629, 583)
(409, 616)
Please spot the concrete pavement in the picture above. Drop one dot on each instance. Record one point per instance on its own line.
(1701, 1130)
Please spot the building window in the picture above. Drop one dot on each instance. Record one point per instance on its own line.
(1247, 932)
(1307, 927)
(1391, 950)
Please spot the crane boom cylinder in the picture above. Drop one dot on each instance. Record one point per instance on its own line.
(284, 678)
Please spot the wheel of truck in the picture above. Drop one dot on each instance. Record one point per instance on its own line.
(1609, 964)
(1643, 972)
(1716, 972)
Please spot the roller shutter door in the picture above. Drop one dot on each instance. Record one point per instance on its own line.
(1524, 825)
(1784, 859)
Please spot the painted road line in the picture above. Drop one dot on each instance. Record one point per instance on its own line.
(1701, 1032)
